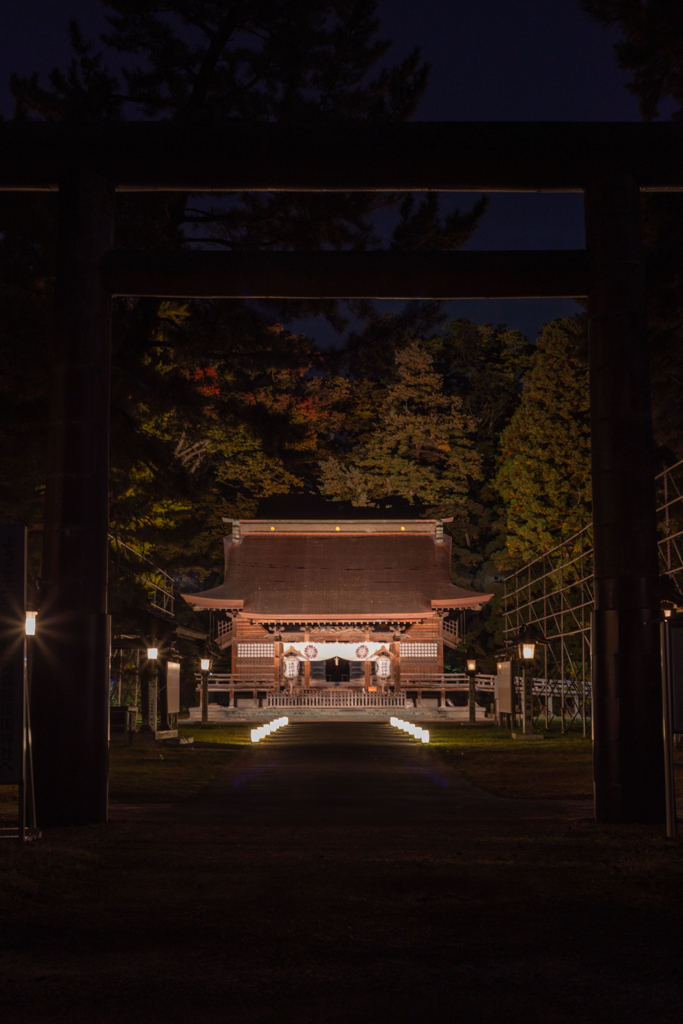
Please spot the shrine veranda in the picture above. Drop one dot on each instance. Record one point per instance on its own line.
(336, 616)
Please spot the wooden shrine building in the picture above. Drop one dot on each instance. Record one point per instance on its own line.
(365, 605)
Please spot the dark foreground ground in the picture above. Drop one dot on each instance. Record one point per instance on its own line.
(343, 873)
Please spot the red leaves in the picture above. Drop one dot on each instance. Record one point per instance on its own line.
(206, 379)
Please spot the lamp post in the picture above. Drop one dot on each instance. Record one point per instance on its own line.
(205, 665)
(527, 643)
(149, 698)
(29, 809)
(472, 696)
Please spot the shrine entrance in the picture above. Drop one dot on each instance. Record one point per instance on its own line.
(337, 671)
(334, 671)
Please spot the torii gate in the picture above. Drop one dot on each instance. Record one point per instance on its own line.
(88, 163)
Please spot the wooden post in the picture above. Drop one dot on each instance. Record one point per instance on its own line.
(307, 667)
(396, 651)
(70, 698)
(627, 699)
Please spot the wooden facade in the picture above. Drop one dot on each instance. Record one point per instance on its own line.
(336, 596)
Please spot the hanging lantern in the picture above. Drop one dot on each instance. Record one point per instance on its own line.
(291, 667)
(383, 666)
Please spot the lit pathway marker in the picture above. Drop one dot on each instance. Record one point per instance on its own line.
(266, 730)
(413, 730)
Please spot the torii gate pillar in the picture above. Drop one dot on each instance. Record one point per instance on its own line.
(70, 693)
(627, 702)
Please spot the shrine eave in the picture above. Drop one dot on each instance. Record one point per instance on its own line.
(412, 616)
(463, 602)
(201, 601)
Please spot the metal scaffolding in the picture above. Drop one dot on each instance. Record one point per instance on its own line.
(555, 592)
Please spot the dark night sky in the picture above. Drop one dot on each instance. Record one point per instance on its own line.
(491, 60)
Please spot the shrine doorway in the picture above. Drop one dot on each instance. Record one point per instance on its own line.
(337, 671)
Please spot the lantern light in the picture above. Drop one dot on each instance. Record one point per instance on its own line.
(425, 735)
(152, 653)
(528, 641)
(291, 667)
(31, 623)
(383, 666)
(471, 665)
(205, 664)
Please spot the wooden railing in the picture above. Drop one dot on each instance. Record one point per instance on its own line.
(228, 681)
(447, 681)
(436, 681)
(336, 698)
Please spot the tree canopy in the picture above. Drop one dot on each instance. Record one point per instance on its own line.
(417, 445)
(544, 471)
(215, 405)
(651, 46)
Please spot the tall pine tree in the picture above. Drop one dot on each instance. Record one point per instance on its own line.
(418, 447)
(544, 471)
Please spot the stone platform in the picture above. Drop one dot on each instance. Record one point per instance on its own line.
(219, 714)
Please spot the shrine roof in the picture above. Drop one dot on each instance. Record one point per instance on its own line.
(345, 568)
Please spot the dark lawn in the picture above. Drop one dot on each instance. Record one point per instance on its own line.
(543, 921)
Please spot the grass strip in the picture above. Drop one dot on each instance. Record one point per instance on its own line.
(144, 775)
(560, 767)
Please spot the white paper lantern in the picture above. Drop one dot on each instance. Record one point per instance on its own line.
(383, 667)
(291, 667)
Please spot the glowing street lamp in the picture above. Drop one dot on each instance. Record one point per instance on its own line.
(528, 641)
(150, 690)
(205, 665)
(31, 623)
(472, 693)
